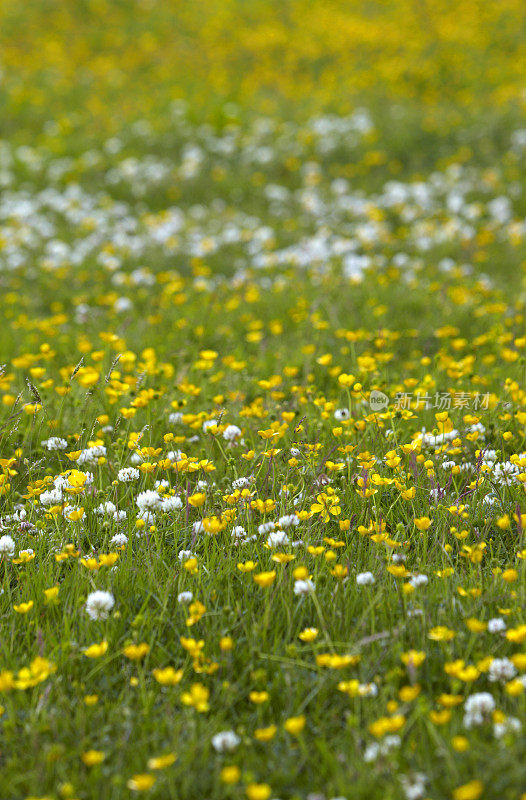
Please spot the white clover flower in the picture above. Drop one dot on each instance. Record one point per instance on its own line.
(302, 588)
(53, 497)
(501, 669)
(119, 540)
(106, 508)
(510, 725)
(185, 597)
(496, 625)
(99, 605)
(478, 708)
(365, 579)
(277, 539)
(54, 443)
(241, 483)
(91, 455)
(7, 546)
(371, 753)
(148, 500)
(266, 527)
(225, 741)
(419, 580)
(128, 474)
(414, 785)
(231, 433)
(289, 521)
(173, 503)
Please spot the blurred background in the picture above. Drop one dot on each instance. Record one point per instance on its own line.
(106, 63)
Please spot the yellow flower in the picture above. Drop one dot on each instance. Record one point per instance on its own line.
(413, 658)
(168, 676)
(423, 523)
(469, 791)
(248, 566)
(265, 579)
(230, 775)
(510, 575)
(476, 625)
(386, 725)
(440, 717)
(258, 791)
(161, 762)
(258, 697)
(226, 643)
(91, 699)
(197, 697)
(141, 783)
(308, 634)
(136, 651)
(460, 744)
(197, 500)
(190, 565)
(441, 634)
(265, 734)
(23, 608)
(450, 700)
(93, 757)
(96, 650)
(295, 725)
(51, 595)
(409, 693)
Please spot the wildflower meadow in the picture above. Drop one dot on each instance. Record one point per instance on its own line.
(262, 400)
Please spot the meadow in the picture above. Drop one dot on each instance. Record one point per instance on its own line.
(262, 400)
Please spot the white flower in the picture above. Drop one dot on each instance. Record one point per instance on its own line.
(7, 546)
(91, 455)
(372, 751)
(365, 579)
(289, 521)
(277, 539)
(55, 443)
(173, 503)
(414, 785)
(231, 433)
(303, 587)
(418, 580)
(510, 725)
(185, 597)
(106, 508)
(266, 527)
(501, 669)
(53, 497)
(225, 742)
(119, 540)
(99, 605)
(148, 500)
(128, 474)
(496, 625)
(241, 483)
(478, 708)
(342, 413)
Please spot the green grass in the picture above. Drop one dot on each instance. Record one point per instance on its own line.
(122, 264)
